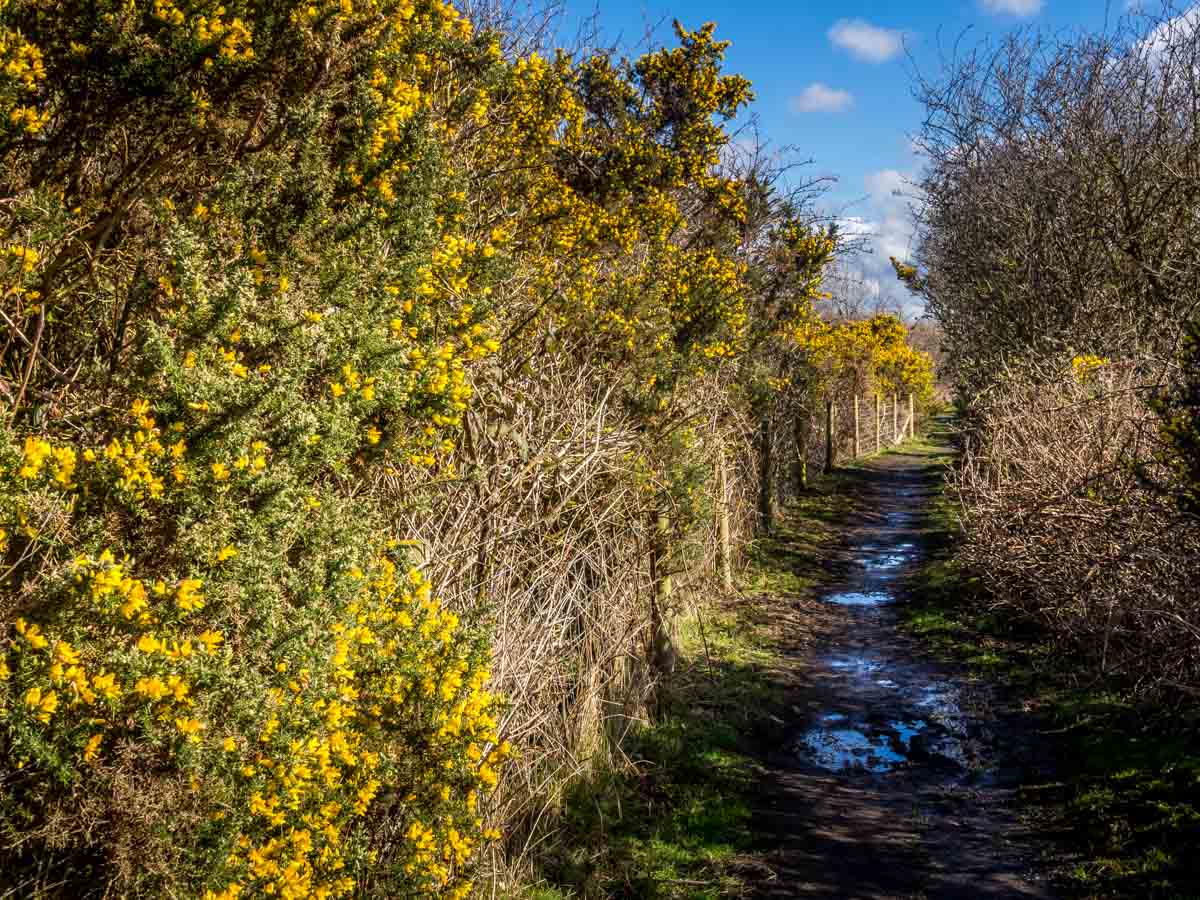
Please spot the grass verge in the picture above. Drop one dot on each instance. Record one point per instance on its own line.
(1126, 805)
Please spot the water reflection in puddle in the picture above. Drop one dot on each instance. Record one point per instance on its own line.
(837, 744)
(849, 748)
(860, 598)
(889, 559)
(939, 701)
(859, 665)
(934, 731)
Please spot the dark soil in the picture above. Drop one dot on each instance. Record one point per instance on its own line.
(895, 774)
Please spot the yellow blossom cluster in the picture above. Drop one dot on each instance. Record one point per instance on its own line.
(22, 71)
(873, 353)
(99, 687)
(232, 36)
(610, 248)
(140, 455)
(397, 106)
(1085, 365)
(310, 765)
(41, 457)
(316, 765)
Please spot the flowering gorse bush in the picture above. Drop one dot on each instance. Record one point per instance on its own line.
(869, 355)
(260, 260)
(261, 707)
(215, 642)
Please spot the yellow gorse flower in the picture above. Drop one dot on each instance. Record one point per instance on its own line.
(189, 727)
(32, 633)
(42, 703)
(211, 640)
(92, 748)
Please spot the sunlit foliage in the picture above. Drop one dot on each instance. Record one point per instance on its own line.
(257, 257)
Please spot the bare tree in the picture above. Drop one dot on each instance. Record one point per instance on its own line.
(1061, 197)
(1058, 251)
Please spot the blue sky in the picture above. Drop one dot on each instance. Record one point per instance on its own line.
(834, 79)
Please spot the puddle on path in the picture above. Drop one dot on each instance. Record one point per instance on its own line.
(884, 560)
(837, 744)
(882, 732)
(854, 662)
(889, 711)
(860, 598)
(900, 717)
(850, 748)
(940, 698)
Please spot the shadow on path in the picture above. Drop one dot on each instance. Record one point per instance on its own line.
(895, 777)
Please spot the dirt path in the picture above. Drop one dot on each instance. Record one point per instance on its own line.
(897, 774)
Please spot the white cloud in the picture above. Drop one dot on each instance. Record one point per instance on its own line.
(819, 97)
(865, 41)
(893, 237)
(855, 226)
(1172, 32)
(891, 194)
(887, 183)
(885, 226)
(1013, 7)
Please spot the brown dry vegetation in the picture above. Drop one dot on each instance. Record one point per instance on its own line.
(1060, 254)
(1059, 251)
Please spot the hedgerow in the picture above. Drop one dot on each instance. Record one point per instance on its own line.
(279, 280)
(1071, 342)
(237, 227)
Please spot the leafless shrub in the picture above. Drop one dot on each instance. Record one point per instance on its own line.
(1060, 197)
(1067, 529)
(1058, 250)
(546, 534)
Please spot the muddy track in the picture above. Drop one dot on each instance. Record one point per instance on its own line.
(895, 776)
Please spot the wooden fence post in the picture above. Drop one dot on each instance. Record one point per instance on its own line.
(766, 511)
(895, 417)
(663, 654)
(878, 422)
(857, 443)
(725, 546)
(800, 435)
(912, 417)
(828, 436)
